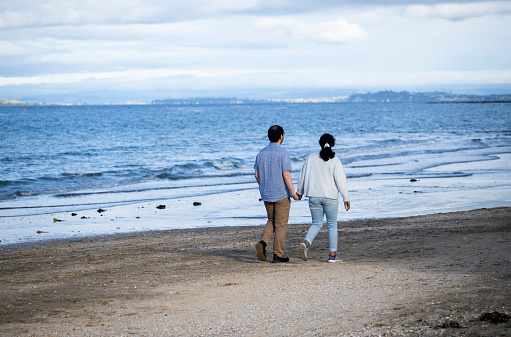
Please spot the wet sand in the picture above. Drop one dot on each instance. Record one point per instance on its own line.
(443, 274)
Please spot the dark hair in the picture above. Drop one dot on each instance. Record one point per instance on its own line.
(326, 152)
(274, 133)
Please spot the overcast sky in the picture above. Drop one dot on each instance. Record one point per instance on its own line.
(226, 44)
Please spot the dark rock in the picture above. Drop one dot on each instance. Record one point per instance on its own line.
(101, 210)
(196, 203)
(74, 214)
(495, 317)
(161, 206)
(450, 324)
(84, 217)
(413, 180)
(40, 232)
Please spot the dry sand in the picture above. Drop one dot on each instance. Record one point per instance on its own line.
(426, 275)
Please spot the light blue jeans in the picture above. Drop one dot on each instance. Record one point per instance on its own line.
(320, 207)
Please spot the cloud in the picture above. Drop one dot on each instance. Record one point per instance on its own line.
(262, 78)
(131, 75)
(254, 43)
(30, 13)
(454, 11)
(336, 31)
(8, 48)
(118, 32)
(36, 13)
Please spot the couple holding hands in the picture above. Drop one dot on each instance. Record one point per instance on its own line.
(321, 179)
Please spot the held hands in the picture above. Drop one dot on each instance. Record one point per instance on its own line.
(297, 197)
(347, 205)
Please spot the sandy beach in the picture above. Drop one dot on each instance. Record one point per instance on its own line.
(445, 274)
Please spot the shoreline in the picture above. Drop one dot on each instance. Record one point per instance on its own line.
(134, 232)
(215, 210)
(429, 274)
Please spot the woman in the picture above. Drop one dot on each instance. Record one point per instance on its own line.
(322, 178)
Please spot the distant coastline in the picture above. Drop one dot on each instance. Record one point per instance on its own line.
(378, 97)
(471, 102)
(4, 102)
(427, 97)
(387, 96)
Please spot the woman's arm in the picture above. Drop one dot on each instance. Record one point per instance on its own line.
(340, 181)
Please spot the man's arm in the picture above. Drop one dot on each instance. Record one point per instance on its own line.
(257, 176)
(289, 183)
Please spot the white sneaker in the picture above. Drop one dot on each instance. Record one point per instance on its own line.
(304, 249)
(334, 258)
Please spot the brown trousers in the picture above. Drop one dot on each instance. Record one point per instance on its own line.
(278, 215)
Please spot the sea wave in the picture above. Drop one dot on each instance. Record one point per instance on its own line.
(81, 175)
(101, 156)
(26, 193)
(148, 189)
(66, 182)
(5, 182)
(227, 165)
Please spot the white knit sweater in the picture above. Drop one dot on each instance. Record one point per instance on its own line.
(319, 178)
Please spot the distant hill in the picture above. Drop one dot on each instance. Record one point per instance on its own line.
(377, 97)
(11, 102)
(325, 96)
(425, 97)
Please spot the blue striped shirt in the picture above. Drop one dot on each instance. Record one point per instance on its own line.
(271, 163)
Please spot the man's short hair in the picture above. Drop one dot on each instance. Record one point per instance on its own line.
(275, 132)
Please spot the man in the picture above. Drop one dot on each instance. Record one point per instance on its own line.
(273, 174)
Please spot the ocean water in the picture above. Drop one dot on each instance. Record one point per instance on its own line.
(400, 158)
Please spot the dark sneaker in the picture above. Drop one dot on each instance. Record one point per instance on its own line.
(278, 259)
(304, 249)
(261, 250)
(334, 258)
